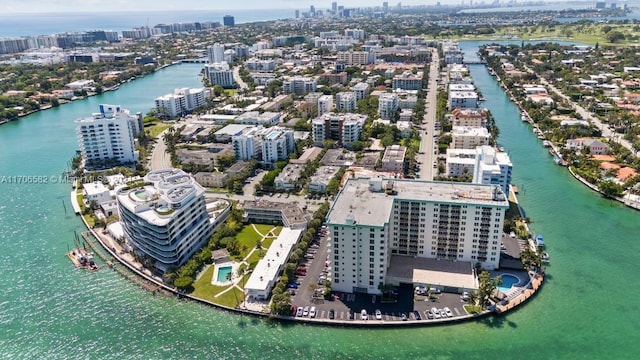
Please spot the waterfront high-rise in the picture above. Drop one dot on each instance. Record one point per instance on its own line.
(108, 136)
(181, 101)
(165, 217)
(219, 73)
(215, 53)
(389, 231)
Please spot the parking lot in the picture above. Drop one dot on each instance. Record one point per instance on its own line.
(347, 306)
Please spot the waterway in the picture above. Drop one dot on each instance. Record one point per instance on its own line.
(587, 308)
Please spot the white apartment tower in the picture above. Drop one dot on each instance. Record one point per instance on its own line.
(181, 101)
(377, 225)
(492, 167)
(325, 104)
(108, 135)
(166, 218)
(346, 101)
(215, 53)
(463, 137)
(299, 85)
(220, 74)
(388, 105)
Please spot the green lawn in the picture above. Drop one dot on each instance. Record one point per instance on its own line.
(266, 243)
(155, 129)
(204, 290)
(472, 309)
(255, 257)
(265, 228)
(231, 92)
(277, 230)
(248, 238)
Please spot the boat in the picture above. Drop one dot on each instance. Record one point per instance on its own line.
(82, 259)
(540, 241)
(523, 117)
(546, 143)
(544, 256)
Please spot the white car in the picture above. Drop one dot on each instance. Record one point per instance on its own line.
(312, 312)
(436, 313)
(363, 314)
(448, 312)
(378, 315)
(305, 312)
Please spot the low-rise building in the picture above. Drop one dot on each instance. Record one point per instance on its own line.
(361, 90)
(265, 275)
(325, 104)
(228, 132)
(408, 81)
(346, 101)
(320, 180)
(96, 191)
(299, 85)
(343, 128)
(393, 159)
(595, 146)
(460, 162)
(181, 101)
(388, 105)
(269, 212)
(257, 118)
(211, 179)
(469, 137)
(469, 117)
(288, 178)
(462, 99)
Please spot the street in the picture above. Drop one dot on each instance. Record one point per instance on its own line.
(159, 157)
(426, 157)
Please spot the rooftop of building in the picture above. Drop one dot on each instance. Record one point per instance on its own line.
(426, 271)
(394, 153)
(463, 94)
(160, 197)
(268, 267)
(294, 214)
(469, 131)
(233, 129)
(365, 201)
(324, 174)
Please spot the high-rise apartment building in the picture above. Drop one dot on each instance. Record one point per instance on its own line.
(343, 128)
(384, 230)
(492, 167)
(388, 106)
(220, 74)
(215, 53)
(108, 135)
(166, 219)
(346, 101)
(181, 101)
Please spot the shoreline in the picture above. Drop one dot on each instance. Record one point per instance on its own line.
(630, 204)
(523, 295)
(92, 94)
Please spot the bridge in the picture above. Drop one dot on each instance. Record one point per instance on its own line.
(474, 62)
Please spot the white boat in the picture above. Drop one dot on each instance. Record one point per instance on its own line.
(544, 256)
(523, 117)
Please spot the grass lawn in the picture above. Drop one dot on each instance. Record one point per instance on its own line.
(247, 239)
(277, 230)
(255, 257)
(155, 129)
(264, 228)
(231, 92)
(472, 309)
(266, 243)
(206, 291)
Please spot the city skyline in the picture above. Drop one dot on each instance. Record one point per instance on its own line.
(73, 6)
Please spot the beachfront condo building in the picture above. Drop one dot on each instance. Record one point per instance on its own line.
(108, 136)
(388, 230)
(165, 217)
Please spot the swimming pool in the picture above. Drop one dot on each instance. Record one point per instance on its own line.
(224, 274)
(507, 282)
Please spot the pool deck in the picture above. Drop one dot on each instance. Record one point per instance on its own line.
(214, 277)
(524, 294)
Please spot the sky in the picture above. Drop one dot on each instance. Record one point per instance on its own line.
(43, 6)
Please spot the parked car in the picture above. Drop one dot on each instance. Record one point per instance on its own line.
(417, 315)
(312, 312)
(448, 312)
(436, 313)
(306, 311)
(292, 285)
(332, 314)
(294, 310)
(465, 296)
(429, 314)
(378, 315)
(300, 311)
(404, 317)
(363, 314)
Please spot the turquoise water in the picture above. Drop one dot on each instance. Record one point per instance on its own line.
(223, 273)
(50, 310)
(507, 282)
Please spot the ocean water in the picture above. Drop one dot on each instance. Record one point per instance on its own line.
(14, 25)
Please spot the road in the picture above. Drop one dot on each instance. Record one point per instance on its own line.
(238, 79)
(426, 156)
(587, 115)
(159, 157)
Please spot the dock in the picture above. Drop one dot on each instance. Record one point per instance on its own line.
(82, 259)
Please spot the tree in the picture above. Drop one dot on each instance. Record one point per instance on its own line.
(183, 282)
(614, 36)
(610, 189)
(487, 285)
